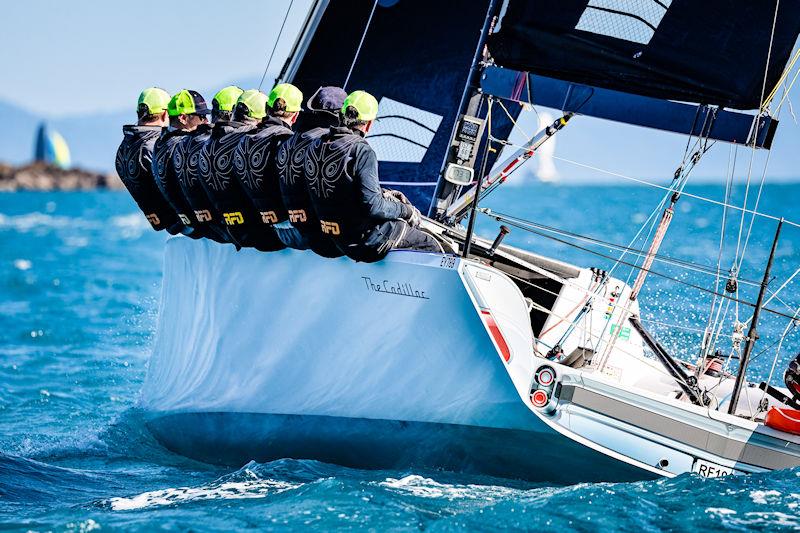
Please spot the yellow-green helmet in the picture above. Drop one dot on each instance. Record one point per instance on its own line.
(255, 103)
(226, 98)
(187, 102)
(152, 101)
(364, 103)
(290, 94)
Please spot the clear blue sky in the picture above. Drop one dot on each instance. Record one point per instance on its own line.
(62, 57)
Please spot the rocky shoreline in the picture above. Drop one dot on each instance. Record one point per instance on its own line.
(43, 177)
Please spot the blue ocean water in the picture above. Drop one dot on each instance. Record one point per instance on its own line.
(79, 285)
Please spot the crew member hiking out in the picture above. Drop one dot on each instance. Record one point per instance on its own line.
(255, 162)
(322, 112)
(135, 156)
(186, 160)
(218, 175)
(187, 110)
(341, 171)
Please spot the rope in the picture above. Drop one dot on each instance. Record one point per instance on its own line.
(654, 246)
(360, 44)
(690, 195)
(655, 273)
(706, 347)
(769, 56)
(688, 265)
(783, 78)
(274, 46)
(792, 324)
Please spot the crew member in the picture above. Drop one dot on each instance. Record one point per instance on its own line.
(341, 172)
(187, 110)
(255, 162)
(186, 161)
(135, 156)
(218, 175)
(322, 112)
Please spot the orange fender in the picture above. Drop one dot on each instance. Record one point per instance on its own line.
(783, 419)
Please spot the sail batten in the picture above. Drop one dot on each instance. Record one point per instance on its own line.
(415, 58)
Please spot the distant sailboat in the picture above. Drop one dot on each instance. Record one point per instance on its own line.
(51, 147)
(546, 170)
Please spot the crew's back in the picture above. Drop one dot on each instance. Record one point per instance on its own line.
(187, 110)
(186, 160)
(218, 175)
(135, 157)
(341, 172)
(255, 161)
(322, 113)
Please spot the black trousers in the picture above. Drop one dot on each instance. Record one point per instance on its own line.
(391, 235)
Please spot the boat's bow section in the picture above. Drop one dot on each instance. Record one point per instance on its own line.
(292, 334)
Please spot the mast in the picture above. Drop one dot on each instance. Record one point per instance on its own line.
(472, 84)
(752, 334)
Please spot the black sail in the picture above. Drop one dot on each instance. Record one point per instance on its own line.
(415, 59)
(702, 51)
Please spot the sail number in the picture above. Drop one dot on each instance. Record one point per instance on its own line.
(708, 469)
(448, 261)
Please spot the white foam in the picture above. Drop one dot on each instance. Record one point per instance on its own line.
(428, 488)
(721, 511)
(37, 220)
(223, 490)
(132, 225)
(22, 264)
(762, 496)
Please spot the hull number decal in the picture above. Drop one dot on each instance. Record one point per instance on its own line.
(706, 469)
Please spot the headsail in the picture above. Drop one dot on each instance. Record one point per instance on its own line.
(705, 51)
(51, 148)
(415, 59)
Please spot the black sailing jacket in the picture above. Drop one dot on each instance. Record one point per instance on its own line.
(134, 167)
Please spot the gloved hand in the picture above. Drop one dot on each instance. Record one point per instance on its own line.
(396, 195)
(415, 218)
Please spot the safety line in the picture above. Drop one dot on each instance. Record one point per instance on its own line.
(360, 44)
(275, 46)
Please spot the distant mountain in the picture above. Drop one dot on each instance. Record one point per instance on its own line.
(17, 131)
(92, 139)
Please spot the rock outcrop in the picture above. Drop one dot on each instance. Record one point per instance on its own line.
(43, 177)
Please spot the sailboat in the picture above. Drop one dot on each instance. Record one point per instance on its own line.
(485, 358)
(51, 148)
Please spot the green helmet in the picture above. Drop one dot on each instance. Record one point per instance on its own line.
(290, 94)
(364, 103)
(152, 101)
(255, 101)
(226, 98)
(187, 102)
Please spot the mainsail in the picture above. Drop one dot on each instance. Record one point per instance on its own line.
(415, 58)
(704, 51)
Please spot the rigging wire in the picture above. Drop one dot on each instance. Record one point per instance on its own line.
(662, 187)
(360, 44)
(707, 347)
(655, 273)
(275, 46)
(703, 269)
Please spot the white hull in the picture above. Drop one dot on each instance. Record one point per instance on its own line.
(391, 365)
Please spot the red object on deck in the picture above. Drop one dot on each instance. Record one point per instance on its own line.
(496, 334)
(783, 419)
(539, 398)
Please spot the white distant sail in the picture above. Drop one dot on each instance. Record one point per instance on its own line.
(546, 170)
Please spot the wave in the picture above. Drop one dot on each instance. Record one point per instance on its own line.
(245, 483)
